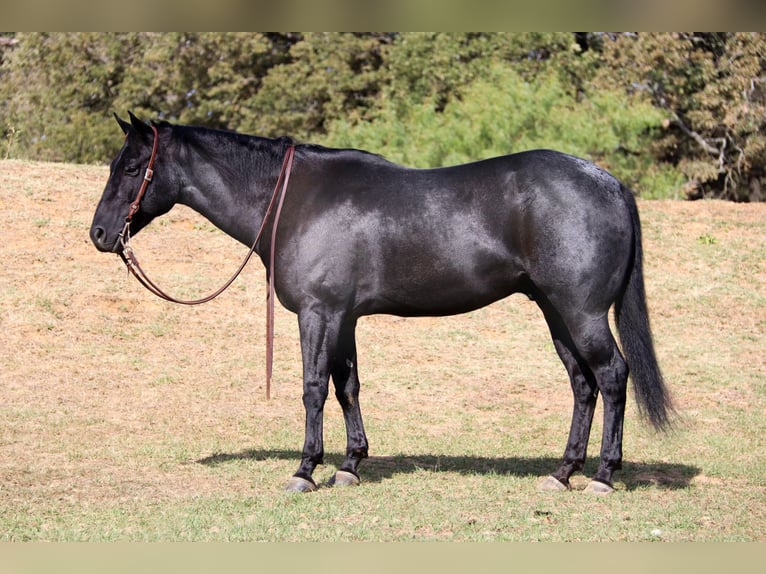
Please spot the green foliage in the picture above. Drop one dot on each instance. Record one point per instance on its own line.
(502, 113)
(670, 113)
(197, 78)
(326, 75)
(712, 86)
(440, 65)
(57, 107)
(62, 88)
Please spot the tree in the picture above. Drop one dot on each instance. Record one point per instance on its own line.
(57, 89)
(712, 86)
(327, 75)
(502, 112)
(200, 78)
(62, 88)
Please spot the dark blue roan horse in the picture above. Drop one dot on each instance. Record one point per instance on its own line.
(360, 235)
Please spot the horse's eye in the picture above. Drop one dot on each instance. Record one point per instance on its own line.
(131, 170)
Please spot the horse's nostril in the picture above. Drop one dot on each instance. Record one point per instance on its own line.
(98, 236)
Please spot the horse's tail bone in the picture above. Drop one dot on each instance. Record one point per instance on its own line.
(636, 337)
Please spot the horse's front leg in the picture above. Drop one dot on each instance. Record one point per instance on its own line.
(345, 376)
(319, 332)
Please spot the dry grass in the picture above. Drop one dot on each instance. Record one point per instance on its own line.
(124, 417)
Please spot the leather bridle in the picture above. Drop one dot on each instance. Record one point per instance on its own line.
(147, 178)
(131, 261)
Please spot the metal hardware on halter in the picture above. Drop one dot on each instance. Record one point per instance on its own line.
(125, 235)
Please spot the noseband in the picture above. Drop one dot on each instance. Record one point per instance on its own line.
(131, 261)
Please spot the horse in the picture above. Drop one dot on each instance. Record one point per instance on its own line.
(360, 235)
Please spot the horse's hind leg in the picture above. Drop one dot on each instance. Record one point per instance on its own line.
(595, 363)
(345, 376)
(597, 347)
(585, 391)
(611, 372)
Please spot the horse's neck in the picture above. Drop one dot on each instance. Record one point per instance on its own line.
(233, 198)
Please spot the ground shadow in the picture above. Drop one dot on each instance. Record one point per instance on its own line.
(634, 475)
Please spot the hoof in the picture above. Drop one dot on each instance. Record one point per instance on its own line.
(298, 484)
(596, 487)
(344, 478)
(553, 484)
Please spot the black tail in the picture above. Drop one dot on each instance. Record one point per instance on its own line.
(636, 336)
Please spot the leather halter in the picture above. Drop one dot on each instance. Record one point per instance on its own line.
(131, 261)
(147, 178)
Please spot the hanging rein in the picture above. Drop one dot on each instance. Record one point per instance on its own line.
(131, 261)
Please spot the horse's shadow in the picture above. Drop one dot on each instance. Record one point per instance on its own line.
(670, 476)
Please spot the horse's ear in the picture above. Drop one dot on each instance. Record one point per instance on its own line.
(141, 127)
(125, 126)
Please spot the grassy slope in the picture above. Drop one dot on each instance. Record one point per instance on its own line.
(126, 418)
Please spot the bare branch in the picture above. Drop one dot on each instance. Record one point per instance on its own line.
(703, 143)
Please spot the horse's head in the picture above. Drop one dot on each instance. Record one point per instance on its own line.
(128, 174)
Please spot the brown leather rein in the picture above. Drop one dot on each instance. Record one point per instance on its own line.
(131, 261)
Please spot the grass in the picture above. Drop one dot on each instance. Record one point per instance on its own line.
(125, 418)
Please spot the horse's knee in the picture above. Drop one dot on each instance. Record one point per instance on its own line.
(314, 394)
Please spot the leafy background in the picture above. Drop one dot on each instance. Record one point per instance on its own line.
(675, 115)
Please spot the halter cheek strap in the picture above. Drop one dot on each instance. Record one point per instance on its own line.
(147, 178)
